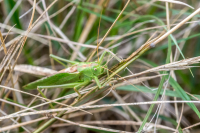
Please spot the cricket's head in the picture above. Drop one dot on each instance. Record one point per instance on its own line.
(97, 69)
(90, 69)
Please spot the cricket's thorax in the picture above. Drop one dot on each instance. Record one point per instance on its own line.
(75, 68)
(72, 69)
(88, 65)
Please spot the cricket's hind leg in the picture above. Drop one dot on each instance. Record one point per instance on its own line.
(69, 85)
(75, 85)
(60, 60)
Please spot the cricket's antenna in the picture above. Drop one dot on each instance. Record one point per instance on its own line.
(98, 35)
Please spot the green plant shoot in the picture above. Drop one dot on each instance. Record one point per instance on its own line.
(76, 76)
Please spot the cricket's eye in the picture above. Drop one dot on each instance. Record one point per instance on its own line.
(95, 69)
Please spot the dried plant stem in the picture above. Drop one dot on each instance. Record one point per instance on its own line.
(176, 27)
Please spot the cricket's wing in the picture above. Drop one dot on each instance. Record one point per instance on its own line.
(57, 79)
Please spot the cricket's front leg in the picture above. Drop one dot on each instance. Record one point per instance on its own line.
(75, 85)
(80, 85)
(97, 81)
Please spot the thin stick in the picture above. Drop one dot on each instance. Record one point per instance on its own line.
(93, 106)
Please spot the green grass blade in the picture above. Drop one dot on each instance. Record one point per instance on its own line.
(183, 95)
(109, 19)
(152, 105)
(138, 88)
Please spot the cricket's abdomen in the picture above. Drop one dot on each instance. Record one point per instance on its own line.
(78, 68)
(57, 79)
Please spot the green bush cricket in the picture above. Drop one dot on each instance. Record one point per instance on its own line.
(76, 76)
